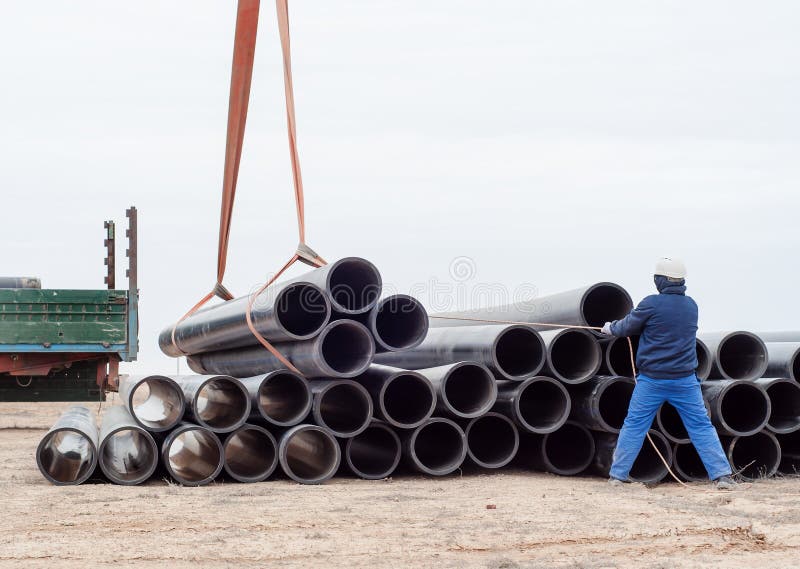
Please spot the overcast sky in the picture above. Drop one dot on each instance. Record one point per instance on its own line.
(553, 144)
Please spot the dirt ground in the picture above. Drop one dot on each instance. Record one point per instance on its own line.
(538, 520)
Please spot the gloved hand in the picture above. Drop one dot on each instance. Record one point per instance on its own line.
(606, 329)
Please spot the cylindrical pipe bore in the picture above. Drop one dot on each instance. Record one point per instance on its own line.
(567, 451)
(537, 405)
(251, 454)
(128, 454)
(648, 467)
(738, 408)
(156, 402)
(67, 454)
(342, 406)
(217, 402)
(373, 454)
(737, 355)
(704, 360)
(398, 322)
(437, 447)
(602, 402)
(669, 422)
(404, 399)
(309, 454)
(790, 453)
(784, 398)
(281, 398)
(753, 457)
(492, 440)
(464, 389)
(688, 464)
(573, 355)
(192, 455)
(617, 356)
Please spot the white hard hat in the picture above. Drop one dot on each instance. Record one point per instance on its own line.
(672, 268)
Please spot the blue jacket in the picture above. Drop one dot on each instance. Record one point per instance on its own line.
(667, 327)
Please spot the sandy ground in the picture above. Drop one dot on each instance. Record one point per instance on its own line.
(538, 520)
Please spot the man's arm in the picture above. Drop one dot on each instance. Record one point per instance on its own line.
(633, 323)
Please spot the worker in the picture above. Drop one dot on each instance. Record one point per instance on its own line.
(666, 361)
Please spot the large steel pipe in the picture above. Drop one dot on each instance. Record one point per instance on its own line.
(781, 336)
(492, 440)
(127, 454)
(251, 454)
(192, 455)
(309, 454)
(688, 464)
(537, 405)
(737, 355)
(437, 447)
(592, 305)
(20, 282)
(155, 402)
(342, 406)
(784, 360)
(567, 451)
(281, 397)
(648, 467)
(704, 360)
(755, 456)
(463, 389)
(784, 399)
(343, 349)
(617, 356)
(297, 311)
(67, 454)
(738, 408)
(573, 355)
(790, 453)
(602, 402)
(374, 454)
(511, 352)
(398, 322)
(404, 399)
(217, 402)
(669, 422)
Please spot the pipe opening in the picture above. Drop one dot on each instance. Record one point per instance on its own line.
(157, 403)
(302, 309)
(194, 456)
(310, 456)
(704, 360)
(742, 356)
(469, 390)
(519, 352)
(347, 348)
(492, 441)
(128, 456)
(785, 399)
(761, 450)
(574, 355)
(790, 453)
(250, 454)
(605, 303)
(354, 285)
(670, 423)
(221, 404)
(344, 408)
(401, 323)
(744, 408)
(543, 405)
(613, 403)
(439, 447)
(569, 450)
(688, 463)
(618, 356)
(373, 454)
(408, 400)
(66, 456)
(648, 468)
(284, 398)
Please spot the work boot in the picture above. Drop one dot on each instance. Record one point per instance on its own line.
(725, 483)
(615, 482)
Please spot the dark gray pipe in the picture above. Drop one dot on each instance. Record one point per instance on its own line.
(281, 397)
(704, 360)
(755, 456)
(20, 282)
(602, 402)
(192, 455)
(463, 390)
(738, 408)
(342, 406)
(127, 454)
(219, 403)
(688, 464)
(343, 349)
(155, 402)
(251, 454)
(790, 453)
(437, 447)
(374, 454)
(737, 355)
(398, 322)
(784, 360)
(671, 425)
(537, 405)
(296, 311)
(617, 356)
(573, 355)
(67, 454)
(592, 305)
(781, 336)
(567, 451)
(511, 352)
(648, 468)
(492, 440)
(404, 399)
(309, 454)
(784, 399)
